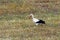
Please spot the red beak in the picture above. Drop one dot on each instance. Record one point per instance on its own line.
(30, 17)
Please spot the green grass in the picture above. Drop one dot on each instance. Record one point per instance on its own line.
(16, 25)
(24, 29)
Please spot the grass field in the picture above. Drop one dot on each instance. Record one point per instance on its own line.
(16, 25)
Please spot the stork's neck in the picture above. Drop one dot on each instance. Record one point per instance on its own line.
(32, 16)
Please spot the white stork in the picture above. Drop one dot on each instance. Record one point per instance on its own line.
(36, 21)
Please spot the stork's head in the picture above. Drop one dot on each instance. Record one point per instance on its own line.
(31, 16)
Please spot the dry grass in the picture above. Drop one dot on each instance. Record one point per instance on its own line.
(26, 30)
(15, 25)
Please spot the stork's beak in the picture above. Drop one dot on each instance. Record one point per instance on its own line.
(30, 17)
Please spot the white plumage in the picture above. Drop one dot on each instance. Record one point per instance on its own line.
(36, 21)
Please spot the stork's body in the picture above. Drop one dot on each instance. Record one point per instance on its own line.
(37, 21)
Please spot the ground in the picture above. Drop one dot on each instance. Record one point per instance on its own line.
(16, 25)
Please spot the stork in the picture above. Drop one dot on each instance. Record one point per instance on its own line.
(36, 21)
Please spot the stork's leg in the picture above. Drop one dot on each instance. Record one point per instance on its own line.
(36, 23)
